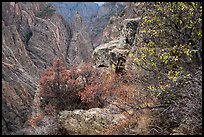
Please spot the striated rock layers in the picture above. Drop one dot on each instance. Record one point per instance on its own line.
(32, 35)
(50, 39)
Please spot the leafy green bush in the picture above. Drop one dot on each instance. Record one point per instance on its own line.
(169, 45)
(167, 57)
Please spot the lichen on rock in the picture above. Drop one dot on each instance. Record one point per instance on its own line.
(89, 122)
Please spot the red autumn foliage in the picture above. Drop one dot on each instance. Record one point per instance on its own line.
(58, 86)
(72, 88)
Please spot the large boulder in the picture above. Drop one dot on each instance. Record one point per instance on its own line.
(89, 122)
(114, 53)
(108, 54)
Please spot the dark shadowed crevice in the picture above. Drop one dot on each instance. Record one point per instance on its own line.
(28, 37)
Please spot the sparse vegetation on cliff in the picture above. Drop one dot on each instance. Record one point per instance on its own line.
(146, 80)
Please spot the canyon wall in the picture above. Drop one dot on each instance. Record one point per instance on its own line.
(32, 35)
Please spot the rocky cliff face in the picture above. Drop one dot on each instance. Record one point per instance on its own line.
(80, 48)
(87, 10)
(95, 18)
(32, 35)
(116, 24)
(119, 37)
(106, 11)
(50, 39)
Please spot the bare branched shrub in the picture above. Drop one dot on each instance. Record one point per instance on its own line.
(184, 115)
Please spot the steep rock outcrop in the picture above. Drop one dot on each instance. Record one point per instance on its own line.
(109, 53)
(133, 11)
(116, 24)
(107, 10)
(80, 48)
(50, 39)
(114, 53)
(20, 70)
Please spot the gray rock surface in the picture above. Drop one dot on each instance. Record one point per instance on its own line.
(114, 53)
(87, 10)
(116, 24)
(106, 11)
(89, 122)
(80, 47)
(26, 47)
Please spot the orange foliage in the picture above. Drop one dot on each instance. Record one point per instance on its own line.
(87, 86)
(33, 121)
